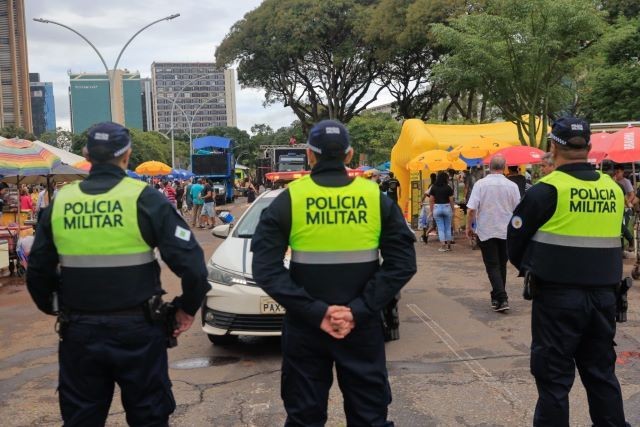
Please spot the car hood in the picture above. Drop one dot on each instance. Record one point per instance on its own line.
(234, 254)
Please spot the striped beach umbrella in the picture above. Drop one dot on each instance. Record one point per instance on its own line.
(19, 158)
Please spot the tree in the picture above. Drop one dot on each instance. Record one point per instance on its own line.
(373, 135)
(517, 53)
(611, 92)
(307, 54)
(408, 51)
(60, 138)
(12, 131)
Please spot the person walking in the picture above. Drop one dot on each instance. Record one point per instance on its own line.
(101, 233)
(209, 206)
(335, 288)
(517, 178)
(170, 193)
(441, 202)
(392, 186)
(198, 203)
(547, 166)
(561, 235)
(490, 208)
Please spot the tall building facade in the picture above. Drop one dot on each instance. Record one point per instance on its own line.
(43, 108)
(90, 102)
(146, 88)
(203, 94)
(15, 99)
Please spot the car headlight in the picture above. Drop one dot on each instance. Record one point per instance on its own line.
(224, 277)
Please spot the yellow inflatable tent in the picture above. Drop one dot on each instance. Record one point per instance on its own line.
(417, 137)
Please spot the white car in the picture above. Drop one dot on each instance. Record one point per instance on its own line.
(235, 305)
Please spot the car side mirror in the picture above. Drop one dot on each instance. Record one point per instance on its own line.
(221, 231)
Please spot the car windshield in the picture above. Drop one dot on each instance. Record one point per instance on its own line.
(247, 225)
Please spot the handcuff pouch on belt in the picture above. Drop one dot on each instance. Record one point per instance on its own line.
(622, 302)
(164, 314)
(530, 289)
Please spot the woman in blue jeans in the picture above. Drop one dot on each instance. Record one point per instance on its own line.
(441, 200)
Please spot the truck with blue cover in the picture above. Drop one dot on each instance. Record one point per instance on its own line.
(213, 159)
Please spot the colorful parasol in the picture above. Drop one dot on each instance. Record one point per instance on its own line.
(19, 158)
(435, 160)
(479, 148)
(83, 164)
(600, 143)
(153, 168)
(625, 145)
(518, 155)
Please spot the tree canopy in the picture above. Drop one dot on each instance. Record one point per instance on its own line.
(516, 53)
(308, 54)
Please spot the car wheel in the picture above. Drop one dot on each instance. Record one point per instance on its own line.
(222, 339)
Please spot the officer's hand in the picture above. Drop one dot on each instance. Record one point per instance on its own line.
(184, 321)
(337, 321)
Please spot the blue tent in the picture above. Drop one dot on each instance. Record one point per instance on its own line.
(384, 166)
(471, 162)
(211, 142)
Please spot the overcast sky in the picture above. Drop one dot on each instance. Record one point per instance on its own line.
(193, 36)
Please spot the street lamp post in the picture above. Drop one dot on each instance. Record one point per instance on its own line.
(187, 119)
(173, 106)
(110, 74)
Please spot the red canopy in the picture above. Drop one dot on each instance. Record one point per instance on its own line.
(600, 143)
(625, 145)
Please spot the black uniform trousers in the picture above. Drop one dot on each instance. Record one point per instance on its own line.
(494, 256)
(98, 351)
(308, 356)
(575, 327)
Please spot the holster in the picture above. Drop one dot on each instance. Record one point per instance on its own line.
(530, 288)
(622, 301)
(164, 314)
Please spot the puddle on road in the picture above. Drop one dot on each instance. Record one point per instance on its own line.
(204, 362)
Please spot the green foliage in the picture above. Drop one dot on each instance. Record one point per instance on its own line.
(12, 131)
(613, 84)
(622, 8)
(307, 54)
(516, 53)
(373, 135)
(60, 138)
(398, 29)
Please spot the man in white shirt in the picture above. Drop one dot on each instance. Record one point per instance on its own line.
(490, 207)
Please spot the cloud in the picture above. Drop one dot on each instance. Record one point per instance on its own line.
(53, 50)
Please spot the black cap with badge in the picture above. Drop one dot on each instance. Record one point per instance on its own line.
(107, 141)
(566, 128)
(329, 138)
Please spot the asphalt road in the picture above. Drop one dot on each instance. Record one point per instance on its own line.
(457, 363)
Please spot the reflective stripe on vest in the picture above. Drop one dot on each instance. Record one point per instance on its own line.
(577, 241)
(334, 225)
(588, 213)
(99, 230)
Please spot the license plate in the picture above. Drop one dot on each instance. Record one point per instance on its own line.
(269, 306)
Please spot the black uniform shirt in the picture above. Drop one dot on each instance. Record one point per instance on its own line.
(380, 282)
(158, 222)
(535, 209)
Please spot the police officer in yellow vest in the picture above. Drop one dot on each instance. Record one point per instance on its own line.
(338, 229)
(565, 233)
(101, 233)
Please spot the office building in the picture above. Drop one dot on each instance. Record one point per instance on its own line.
(204, 96)
(15, 99)
(43, 109)
(147, 104)
(90, 102)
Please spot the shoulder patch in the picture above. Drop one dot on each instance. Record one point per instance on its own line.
(182, 233)
(516, 222)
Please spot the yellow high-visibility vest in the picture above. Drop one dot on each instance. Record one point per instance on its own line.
(99, 230)
(334, 225)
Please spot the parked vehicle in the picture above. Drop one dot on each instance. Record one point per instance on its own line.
(235, 305)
